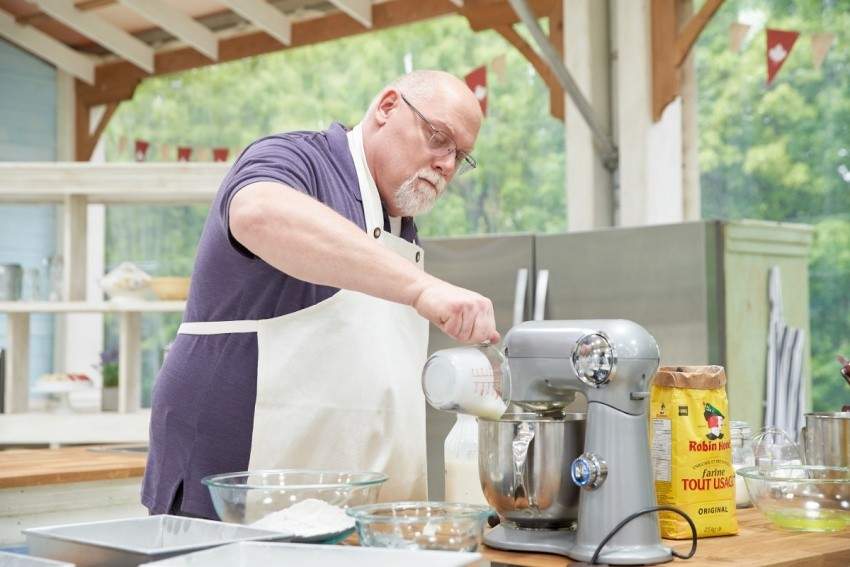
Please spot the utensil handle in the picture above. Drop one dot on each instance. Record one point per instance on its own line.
(519, 295)
(540, 295)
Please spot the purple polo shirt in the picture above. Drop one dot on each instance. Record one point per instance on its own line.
(203, 398)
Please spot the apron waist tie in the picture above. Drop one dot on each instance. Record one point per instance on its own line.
(218, 327)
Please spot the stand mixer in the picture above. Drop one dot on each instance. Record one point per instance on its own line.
(610, 362)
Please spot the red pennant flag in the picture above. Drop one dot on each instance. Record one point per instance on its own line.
(141, 150)
(184, 153)
(220, 154)
(477, 82)
(779, 45)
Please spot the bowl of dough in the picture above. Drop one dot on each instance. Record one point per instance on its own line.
(308, 505)
(127, 282)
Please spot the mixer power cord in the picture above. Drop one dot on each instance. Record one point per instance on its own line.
(594, 560)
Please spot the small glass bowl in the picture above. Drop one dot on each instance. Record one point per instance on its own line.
(443, 526)
(246, 497)
(801, 497)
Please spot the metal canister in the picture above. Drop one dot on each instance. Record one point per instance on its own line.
(826, 439)
(11, 280)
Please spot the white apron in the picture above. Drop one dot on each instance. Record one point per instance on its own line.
(338, 383)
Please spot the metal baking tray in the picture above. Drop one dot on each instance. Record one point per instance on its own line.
(131, 542)
(17, 560)
(315, 555)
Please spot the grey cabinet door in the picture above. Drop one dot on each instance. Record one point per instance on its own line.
(488, 265)
(666, 278)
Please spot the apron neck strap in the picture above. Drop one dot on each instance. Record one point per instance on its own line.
(372, 210)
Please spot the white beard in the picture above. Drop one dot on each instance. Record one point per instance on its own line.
(415, 196)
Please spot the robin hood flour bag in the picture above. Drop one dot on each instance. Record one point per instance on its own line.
(691, 450)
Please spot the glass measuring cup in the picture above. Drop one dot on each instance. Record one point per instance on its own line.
(474, 380)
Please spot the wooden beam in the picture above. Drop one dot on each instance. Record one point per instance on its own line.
(511, 35)
(670, 47)
(117, 81)
(665, 77)
(686, 39)
(85, 138)
(178, 24)
(46, 47)
(557, 99)
(360, 10)
(85, 5)
(485, 15)
(101, 31)
(265, 16)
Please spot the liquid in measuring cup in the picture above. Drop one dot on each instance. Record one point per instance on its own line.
(470, 380)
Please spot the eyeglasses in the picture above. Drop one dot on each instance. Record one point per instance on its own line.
(441, 143)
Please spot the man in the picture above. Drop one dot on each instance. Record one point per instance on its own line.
(307, 322)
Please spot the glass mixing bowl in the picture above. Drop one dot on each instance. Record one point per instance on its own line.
(246, 497)
(801, 497)
(421, 525)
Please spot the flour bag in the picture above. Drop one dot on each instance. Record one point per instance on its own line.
(692, 451)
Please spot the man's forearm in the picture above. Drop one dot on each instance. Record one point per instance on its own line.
(308, 240)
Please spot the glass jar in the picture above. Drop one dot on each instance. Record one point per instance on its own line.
(463, 483)
(742, 456)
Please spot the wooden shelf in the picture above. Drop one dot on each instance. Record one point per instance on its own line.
(37, 428)
(76, 185)
(111, 183)
(92, 307)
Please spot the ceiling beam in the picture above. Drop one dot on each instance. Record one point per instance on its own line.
(111, 37)
(42, 45)
(177, 24)
(485, 15)
(265, 16)
(670, 47)
(693, 28)
(360, 10)
(116, 81)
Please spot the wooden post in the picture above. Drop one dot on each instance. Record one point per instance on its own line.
(74, 232)
(130, 362)
(17, 386)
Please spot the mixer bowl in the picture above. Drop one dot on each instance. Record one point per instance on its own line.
(533, 490)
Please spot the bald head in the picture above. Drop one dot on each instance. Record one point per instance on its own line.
(398, 136)
(427, 85)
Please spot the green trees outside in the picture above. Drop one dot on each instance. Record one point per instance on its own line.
(775, 153)
(782, 153)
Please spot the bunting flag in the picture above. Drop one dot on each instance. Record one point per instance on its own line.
(220, 154)
(184, 153)
(165, 152)
(821, 44)
(476, 80)
(499, 64)
(141, 150)
(737, 34)
(779, 46)
(122, 144)
(202, 154)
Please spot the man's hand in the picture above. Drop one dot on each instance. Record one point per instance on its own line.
(463, 315)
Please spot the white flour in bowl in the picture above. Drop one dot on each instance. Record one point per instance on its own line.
(310, 517)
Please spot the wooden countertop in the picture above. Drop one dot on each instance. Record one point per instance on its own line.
(757, 544)
(35, 467)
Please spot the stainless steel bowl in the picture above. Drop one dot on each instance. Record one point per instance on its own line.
(826, 439)
(524, 464)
